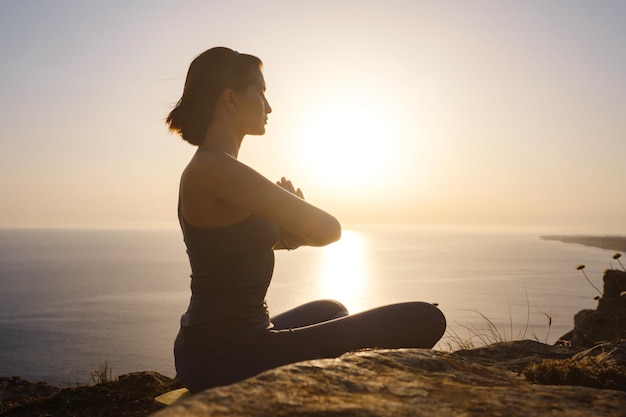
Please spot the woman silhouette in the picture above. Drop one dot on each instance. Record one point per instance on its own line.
(232, 219)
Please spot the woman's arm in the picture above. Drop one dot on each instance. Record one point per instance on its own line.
(223, 177)
(289, 240)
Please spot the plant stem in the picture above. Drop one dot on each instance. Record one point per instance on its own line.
(591, 283)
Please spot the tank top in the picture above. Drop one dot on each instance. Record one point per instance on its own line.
(231, 269)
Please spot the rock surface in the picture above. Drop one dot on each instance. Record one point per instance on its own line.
(496, 380)
(608, 321)
(15, 391)
(131, 395)
(408, 382)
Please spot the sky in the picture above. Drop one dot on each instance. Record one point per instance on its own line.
(496, 113)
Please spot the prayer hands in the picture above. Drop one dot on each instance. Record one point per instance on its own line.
(288, 239)
(287, 185)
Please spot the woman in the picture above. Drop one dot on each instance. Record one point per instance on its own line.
(232, 220)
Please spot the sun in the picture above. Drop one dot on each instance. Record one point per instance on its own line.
(348, 143)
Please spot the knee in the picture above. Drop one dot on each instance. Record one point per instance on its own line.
(435, 321)
(335, 308)
(430, 321)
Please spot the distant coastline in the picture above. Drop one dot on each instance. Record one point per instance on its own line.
(617, 243)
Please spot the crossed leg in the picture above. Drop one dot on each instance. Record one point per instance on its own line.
(403, 325)
(310, 313)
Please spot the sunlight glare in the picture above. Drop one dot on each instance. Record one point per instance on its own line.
(348, 144)
(343, 272)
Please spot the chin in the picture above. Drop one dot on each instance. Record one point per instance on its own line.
(257, 132)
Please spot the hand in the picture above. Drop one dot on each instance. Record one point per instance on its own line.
(288, 239)
(287, 185)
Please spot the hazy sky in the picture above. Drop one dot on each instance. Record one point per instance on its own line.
(462, 112)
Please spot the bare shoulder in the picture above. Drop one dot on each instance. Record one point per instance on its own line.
(217, 184)
(211, 161)
(202, 183)
(208, 167)
(212, 175)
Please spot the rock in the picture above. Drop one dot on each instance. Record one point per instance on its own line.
(408, 382)
(585, 378)
(131, 395)
(15, 390)
(608, 321)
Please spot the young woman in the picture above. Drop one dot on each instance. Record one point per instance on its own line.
(232, 220)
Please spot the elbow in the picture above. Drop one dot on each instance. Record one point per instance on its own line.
(336, 230)
(332, 231)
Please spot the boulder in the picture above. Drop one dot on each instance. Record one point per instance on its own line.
(411, 382)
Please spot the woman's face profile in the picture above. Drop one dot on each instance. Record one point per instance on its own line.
(253, 107)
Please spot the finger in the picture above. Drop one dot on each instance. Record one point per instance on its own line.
(299, 193)
(289, 186)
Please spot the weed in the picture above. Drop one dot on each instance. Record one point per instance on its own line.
(483, 336)
(582, 269)
(74, 379)
(549, 317)
(616, 257)
(457, 342)
(102, 372)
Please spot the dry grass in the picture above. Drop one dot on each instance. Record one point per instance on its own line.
(102, 372)
(588, 372)
(488, 333)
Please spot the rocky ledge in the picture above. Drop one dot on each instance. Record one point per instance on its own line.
(582, 376)
(412, 382)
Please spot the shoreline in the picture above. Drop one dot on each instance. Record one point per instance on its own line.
(617, 243)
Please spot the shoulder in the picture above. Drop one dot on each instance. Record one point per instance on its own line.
(210, 164)
(219, 173)
(212, 160)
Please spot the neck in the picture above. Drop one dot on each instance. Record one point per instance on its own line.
(222, 137)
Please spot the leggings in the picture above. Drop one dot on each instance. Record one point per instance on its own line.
(319, 329)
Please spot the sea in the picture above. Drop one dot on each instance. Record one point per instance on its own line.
(73, 300)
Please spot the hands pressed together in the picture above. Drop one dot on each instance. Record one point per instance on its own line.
(289, 240)
(287, 185)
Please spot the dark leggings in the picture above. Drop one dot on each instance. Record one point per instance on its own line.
(319, 329)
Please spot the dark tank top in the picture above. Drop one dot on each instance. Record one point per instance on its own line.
(231, 269)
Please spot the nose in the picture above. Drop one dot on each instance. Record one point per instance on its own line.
(268, 108)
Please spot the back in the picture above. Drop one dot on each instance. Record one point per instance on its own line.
(231, 268)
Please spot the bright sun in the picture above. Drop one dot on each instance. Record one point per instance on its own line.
(348, 144)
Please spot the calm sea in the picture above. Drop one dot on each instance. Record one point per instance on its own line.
(71, 299)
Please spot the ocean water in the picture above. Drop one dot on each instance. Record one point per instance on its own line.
(71, 299)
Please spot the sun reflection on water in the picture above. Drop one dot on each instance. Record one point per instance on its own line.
(343, 271)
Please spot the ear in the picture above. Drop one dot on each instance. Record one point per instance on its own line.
(229, 99)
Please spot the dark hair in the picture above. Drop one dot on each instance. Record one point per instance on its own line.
(210, 73)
